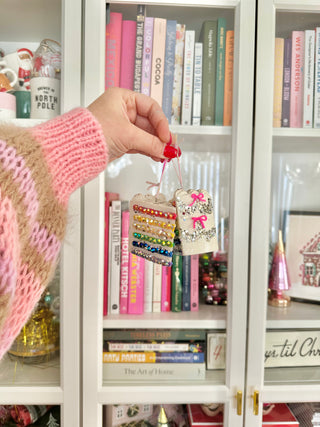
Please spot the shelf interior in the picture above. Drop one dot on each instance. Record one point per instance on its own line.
(290, 376)
(298, 315)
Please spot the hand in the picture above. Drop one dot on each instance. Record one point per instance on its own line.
(133, 123)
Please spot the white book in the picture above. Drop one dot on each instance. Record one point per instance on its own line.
(148, 346)
(187, 85)
(148, 286)
(153, 371)
(316, 105)
(115, 251)
(308, 84)
(197, 84)
(156, 294)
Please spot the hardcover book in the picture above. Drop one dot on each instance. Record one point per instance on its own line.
(194, 283)
(115, 248)
(308, 85)
(220, 71)
(158, 57)
(128, 42)
(152, 357)
(154, 334)
(286, 86)
(113, 50)
(228, 79)
(278, 81)
(153, 372)
(208, 37)
(148, 285)
(178, 73)
(176, 283)
(124, 263)
(150, 346)
(136, 284)
(147, 55)
(169, 68)
(197, 85)
(187, 83)
(296, 93)
(156, 291)
(186, 265)
(166, 288)
(141, 12)
(316, 107)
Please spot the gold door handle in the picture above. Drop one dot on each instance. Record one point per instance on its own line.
(239, 402)
(255, 397)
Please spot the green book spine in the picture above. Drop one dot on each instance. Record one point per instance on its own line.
(154, 334)
(176, 283)
(208, 37)
(221, 52)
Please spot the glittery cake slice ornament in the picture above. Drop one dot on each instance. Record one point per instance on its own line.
(151, 229)
(196, 230)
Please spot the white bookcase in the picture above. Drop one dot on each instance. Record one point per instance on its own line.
(230, 147)
(283, 161)
(25, 24)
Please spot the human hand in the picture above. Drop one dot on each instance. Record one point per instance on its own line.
(133, 123)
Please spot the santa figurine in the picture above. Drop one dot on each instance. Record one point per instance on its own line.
(25, 68)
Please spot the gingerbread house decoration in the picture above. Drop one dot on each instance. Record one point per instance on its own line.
(311, 262)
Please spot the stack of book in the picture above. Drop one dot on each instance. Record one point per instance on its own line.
(296, 100)
(152, 354)
(134, 285)
(190, 79)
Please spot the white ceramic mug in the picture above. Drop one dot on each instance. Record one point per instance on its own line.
(19, 61)
(8, 79)
(45, 98)
(7, 106)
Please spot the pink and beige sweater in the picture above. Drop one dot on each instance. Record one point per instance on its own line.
(39, 169)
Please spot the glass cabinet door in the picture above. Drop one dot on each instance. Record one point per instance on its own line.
(284, 315)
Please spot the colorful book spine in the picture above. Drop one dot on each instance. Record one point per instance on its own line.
(286, 86)
(156, 291)
(113, 50)
(115, 248)
(151, 357)
(154, 334)
(169, 68)
(187, 84)
(148, 285)
(141, 12)
(178, 73)
(296, 93)
(147, 55)
(158, 57)
(148, 346)
(316, 109)
(220, 71)
(166, 289)
(108, 197)
(176, 283)
(197, 85)
(278, 81)
(308, 86)
(186, 263)
(128, 42)
(124, 262)
(228, 79)
(154, 372)
(136, 284)
(194, 283)
(208, 37)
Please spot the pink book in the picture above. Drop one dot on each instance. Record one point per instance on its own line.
(147, 55)
(113, 50)
(158, 55)
(194, 283)
(296, 92)
(108, 197)
(124, 263)
(166, 289)
(136, 284)
(128, 46)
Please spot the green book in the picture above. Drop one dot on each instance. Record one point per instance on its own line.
(221, 52)
(154, 334)
(176, 282)
(208, 37)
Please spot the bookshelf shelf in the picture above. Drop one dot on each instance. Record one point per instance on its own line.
(297, 315)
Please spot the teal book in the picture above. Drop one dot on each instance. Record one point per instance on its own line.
(208, 37)
(221, 53)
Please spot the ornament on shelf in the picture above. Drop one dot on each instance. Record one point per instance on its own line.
(162, 418)
(279, 280)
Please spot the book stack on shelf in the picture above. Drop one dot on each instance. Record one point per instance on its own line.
(296, 101)
(154, 354)
(192, 80)
(134, 285)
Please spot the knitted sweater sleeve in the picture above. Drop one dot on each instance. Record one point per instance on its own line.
(39, 169)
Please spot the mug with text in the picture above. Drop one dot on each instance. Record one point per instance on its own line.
(23, 103)
(45, 98)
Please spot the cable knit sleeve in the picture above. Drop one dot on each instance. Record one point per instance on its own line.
(39, 168)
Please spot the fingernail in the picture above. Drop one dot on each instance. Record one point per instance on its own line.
(179, 151)
(170, 152)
